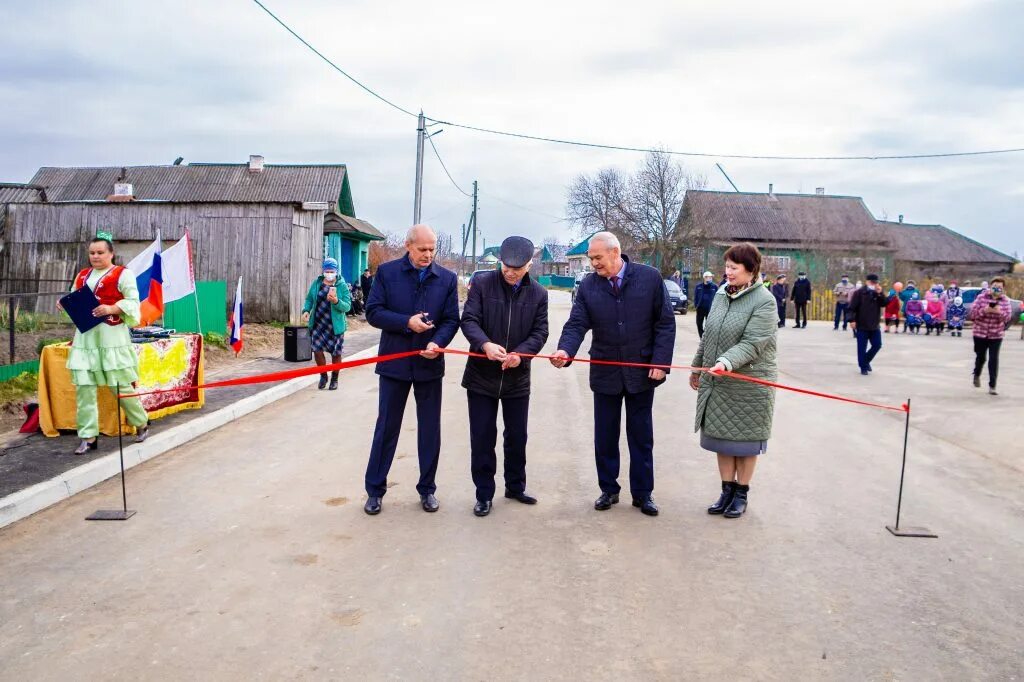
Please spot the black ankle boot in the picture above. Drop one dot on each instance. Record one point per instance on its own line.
(728, 489)
(323, 381)
(739, 502)
(334, 382)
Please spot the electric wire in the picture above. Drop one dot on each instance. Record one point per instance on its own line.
(430, 139)
(626, 148)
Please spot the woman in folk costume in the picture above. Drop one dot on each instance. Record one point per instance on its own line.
(892, 308)
(104, 356)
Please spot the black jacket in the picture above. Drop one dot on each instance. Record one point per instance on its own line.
(802, 290)
(638, 326)
(365, 283)
(397, 294)
(866, 308)
(704, 296)
(780, 292)
(518, 322)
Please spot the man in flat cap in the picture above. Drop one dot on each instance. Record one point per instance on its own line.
(505, 315)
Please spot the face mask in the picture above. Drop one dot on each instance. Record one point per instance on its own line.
(330, 276)
(997, 291)
(846, 281)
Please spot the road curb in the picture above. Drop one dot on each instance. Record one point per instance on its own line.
(23, 503)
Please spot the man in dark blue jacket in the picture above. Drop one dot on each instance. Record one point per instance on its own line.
(703, 297)
(627, 308)
(506, 315)
(801, 296)
(415, 303)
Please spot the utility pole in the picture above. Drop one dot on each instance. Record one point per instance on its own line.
(473, 222)
(463, 248)
(421, 129)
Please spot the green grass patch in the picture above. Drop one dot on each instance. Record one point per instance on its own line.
(215, 340)
(19, 388)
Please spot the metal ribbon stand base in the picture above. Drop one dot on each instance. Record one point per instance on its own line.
(124, 513)
(907, 531)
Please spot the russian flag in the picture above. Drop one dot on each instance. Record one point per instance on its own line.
(236, 323)
(148, 269)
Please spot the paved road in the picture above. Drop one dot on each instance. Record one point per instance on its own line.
(250, 557)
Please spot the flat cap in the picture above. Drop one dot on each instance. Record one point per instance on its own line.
(516, 252)
(872, 277)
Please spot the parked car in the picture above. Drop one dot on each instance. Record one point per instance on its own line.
(971, 293)
(576, 284)
(677, 296)
(469, 283)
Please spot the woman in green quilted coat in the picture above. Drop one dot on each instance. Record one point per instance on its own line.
(734, 417)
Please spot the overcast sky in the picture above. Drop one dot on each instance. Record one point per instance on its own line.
(115, 83)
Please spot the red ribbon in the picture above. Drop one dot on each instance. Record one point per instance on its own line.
(348, 364)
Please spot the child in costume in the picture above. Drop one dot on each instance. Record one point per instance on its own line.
(956, 313)
(915, 314)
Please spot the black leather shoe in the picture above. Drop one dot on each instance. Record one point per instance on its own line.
(429, 503)
(725, 499)
(323, 382)
(334, 384)
(520, 497)
(739, 502)
(482, 508)
(605, 502)
(372, 506)
(646, 505)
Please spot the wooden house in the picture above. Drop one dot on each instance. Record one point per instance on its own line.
(270, 224)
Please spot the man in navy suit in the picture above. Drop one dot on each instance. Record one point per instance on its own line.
(628, 309)
(415, 303)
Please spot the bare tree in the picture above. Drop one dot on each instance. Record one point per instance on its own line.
(598, 202)
(390, 248)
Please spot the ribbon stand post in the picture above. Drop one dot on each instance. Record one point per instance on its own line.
(907, 531)
(124, 513)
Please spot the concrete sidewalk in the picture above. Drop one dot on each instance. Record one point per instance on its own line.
(251, 558)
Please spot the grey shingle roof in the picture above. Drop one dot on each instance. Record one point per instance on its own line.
(198, 183)
(939, 244)
(745, 216)
(13, 192)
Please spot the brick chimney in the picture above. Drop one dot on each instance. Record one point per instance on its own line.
(255, 163)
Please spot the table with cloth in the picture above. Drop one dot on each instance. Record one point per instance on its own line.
(173, 363)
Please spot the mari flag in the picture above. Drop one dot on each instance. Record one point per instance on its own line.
(236, 322)
(179, 278)
(148, 269)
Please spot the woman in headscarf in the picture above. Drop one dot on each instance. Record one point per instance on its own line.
(104, 356)
(327, 302)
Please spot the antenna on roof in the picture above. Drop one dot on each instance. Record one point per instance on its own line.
(727, 177)
(177, 161)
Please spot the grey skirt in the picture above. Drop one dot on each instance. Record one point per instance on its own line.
(733, 448)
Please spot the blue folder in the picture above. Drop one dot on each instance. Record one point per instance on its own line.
(79, 305)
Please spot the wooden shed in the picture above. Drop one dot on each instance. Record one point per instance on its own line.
(263, 222)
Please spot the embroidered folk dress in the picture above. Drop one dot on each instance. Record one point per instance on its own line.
(104, 356)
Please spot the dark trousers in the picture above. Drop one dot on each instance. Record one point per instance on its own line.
(483, 435)
(840, 315)
(782, 312)
(701, 316)
(393, 396)
(639, 436)
(990, 347)
(865, 338)
(801, 310)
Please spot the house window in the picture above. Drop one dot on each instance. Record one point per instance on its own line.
(777, 263)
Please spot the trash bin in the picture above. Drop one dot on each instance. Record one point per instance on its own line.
(296, 344)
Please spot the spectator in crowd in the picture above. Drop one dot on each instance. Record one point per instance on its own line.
(366, 283)
(914, 314)
(842, 292)
(990, 313)
(780, 290)
(956, 313)
(892, 308)
(952, 291)
(327, 301)
(936, 304)
(801, 296)
(866, 305)
(703, 297)
(906, 295)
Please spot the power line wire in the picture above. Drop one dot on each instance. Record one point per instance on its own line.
(329, 62)
(524, 208)
(430, 139)
(613, 147)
